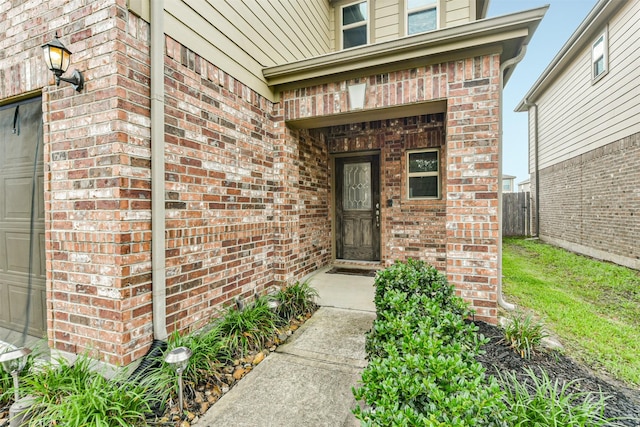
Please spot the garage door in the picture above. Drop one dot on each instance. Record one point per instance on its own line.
(22, 266)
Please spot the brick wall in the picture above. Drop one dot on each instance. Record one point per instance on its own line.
(96, 153)
(97, 185)
(248, 199)
(590, 204)
(245, 196)
(471, 88)
(234, 228)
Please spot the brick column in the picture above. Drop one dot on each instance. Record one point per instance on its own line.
(286, 215)
(472, 181)
(97, 189)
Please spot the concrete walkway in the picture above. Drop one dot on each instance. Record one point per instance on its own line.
(308, 380)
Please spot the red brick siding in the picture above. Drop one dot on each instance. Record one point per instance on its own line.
(471, 88)
(248, 199)
(593, 201)
(97, 187)
(315, 204)
(473, 113)
(96, 152)
(219, 189)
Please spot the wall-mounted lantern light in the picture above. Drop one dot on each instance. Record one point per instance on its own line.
(357, 95)
(13, 362)
(58, 58)
(178, 358)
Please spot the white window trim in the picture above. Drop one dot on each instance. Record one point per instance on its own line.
(432, 5)
(354, 25)
(605, 54)
(420, 174)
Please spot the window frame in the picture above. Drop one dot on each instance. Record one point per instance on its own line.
(604, 36)
(433, 4)
(366, 24)
(410, 175)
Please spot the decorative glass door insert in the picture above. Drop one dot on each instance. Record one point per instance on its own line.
(357, 186)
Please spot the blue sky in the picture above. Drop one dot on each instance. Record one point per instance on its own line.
(561, 20)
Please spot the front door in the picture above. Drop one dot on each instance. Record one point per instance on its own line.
(358, 208)
(22, 266)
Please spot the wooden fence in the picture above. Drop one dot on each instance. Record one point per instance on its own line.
(516, 214)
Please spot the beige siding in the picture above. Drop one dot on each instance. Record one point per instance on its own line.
(577, 116)
(243, 36)
(532, 148)
(388, 14)
(457, 12)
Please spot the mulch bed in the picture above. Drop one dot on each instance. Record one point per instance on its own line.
(623, 402)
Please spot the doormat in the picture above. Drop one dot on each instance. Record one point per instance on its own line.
(352, 271)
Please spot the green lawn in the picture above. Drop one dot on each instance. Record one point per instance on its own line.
(592, 306)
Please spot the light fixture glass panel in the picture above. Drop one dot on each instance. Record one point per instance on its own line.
(66, 60)
(55, 55)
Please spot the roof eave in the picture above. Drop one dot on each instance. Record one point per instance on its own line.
(589, 27)
(500, 31)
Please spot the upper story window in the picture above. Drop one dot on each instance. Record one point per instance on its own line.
(600, 57)
(355, 28)
(423, 174)
(422, 15)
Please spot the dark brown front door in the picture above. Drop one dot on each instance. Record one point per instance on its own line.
(358, 208)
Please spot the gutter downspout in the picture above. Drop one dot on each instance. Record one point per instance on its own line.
(537, 164)
(159, 290)
(508, 63)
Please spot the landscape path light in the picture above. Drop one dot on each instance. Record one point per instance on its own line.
(178, 358)
(58, 58)
(13, 362)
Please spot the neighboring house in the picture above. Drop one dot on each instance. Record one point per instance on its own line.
(584, 139)
(222, 148)
(524, 186)
(508, 183)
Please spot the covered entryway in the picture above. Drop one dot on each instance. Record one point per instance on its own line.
(358, 208)
(22, 262)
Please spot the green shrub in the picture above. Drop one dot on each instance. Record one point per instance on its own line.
(408, 314)
(75, 395)
(537, 401)
(295, 300)
(425, 381)
(523, 334)
(248, 329)
(415, 277)
(422, 369)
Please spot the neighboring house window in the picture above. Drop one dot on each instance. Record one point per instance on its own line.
(423, 174)
(355, 28)
(506, 185)
(599, 56)
(421, 16)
